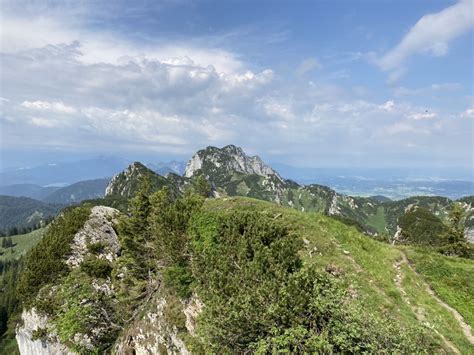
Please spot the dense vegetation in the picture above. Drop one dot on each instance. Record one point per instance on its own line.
(246, 269)
(22, 214)
(45, 263)
(272, 279)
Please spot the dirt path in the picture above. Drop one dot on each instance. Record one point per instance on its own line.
(466, 328)
(419, 312)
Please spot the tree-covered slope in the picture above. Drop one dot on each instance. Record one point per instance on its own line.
(23, 212)
(79, 191)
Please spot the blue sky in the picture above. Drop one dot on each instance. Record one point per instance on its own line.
(369, 83)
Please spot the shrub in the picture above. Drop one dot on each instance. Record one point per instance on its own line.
(96, 267)
(259, 298)
(45, 262)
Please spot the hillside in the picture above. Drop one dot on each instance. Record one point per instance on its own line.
(22, 243)
(36, 192)
(347, 272)
(25, 212)
(75, 193)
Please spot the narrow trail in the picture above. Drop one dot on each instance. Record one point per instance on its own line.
(419, 312)
(466, 328)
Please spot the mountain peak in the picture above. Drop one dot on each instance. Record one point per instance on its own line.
(227, 160)
(124, 183)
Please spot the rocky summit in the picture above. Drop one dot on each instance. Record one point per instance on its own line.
(213, 160)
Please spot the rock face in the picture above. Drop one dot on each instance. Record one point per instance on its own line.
(97, 229)
(32, 322)
(152, 333)
(229, 158)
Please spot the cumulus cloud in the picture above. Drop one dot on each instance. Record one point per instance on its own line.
(65, 87)
(431, 34)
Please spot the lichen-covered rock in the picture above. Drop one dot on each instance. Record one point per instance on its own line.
(151, 334)
(33, 323)
(99, 228)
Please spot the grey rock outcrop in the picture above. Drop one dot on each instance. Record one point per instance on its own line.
(229, 158)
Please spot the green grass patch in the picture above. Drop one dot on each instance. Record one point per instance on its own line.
(451, 278)
(22, 243)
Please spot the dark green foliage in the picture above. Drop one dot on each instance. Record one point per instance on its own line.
(179, 279)
(349, 222)
(259, 298)
(7, 242)
(456, 224)
(202, 187)
(96, 267)
(47, 257)
(461, 249)
(135, 263)
(169, 222)
(420, 226)
(9, 272)
(39, 334)
(96, 248)
(80, 308)
(17, 213)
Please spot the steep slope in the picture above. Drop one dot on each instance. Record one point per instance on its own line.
(84, 254)
(83, 190)
(25, 212)
(127, 182)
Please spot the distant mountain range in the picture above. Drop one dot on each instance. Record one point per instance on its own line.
(232, 173)
(65, 173)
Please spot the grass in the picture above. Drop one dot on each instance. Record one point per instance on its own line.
(451, 278)
(22, 244)
(367, 266)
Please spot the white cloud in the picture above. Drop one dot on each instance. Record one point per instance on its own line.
(422, 116)
(59, 107)
(388, 106)
(468, 113)
(431, 34)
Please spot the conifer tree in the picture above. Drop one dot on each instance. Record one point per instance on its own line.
(456, 224)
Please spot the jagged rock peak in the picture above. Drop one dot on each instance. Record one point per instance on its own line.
(118, 183)
(229, 158)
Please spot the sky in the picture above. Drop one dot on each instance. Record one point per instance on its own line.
(362, 83)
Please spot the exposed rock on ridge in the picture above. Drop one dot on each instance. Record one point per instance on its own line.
(229, 158)
(98, 228)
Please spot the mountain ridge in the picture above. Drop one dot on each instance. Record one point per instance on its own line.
(231, 172)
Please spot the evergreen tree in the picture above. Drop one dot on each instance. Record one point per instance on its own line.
(136, 263)
(456, 224)
(202, 187)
